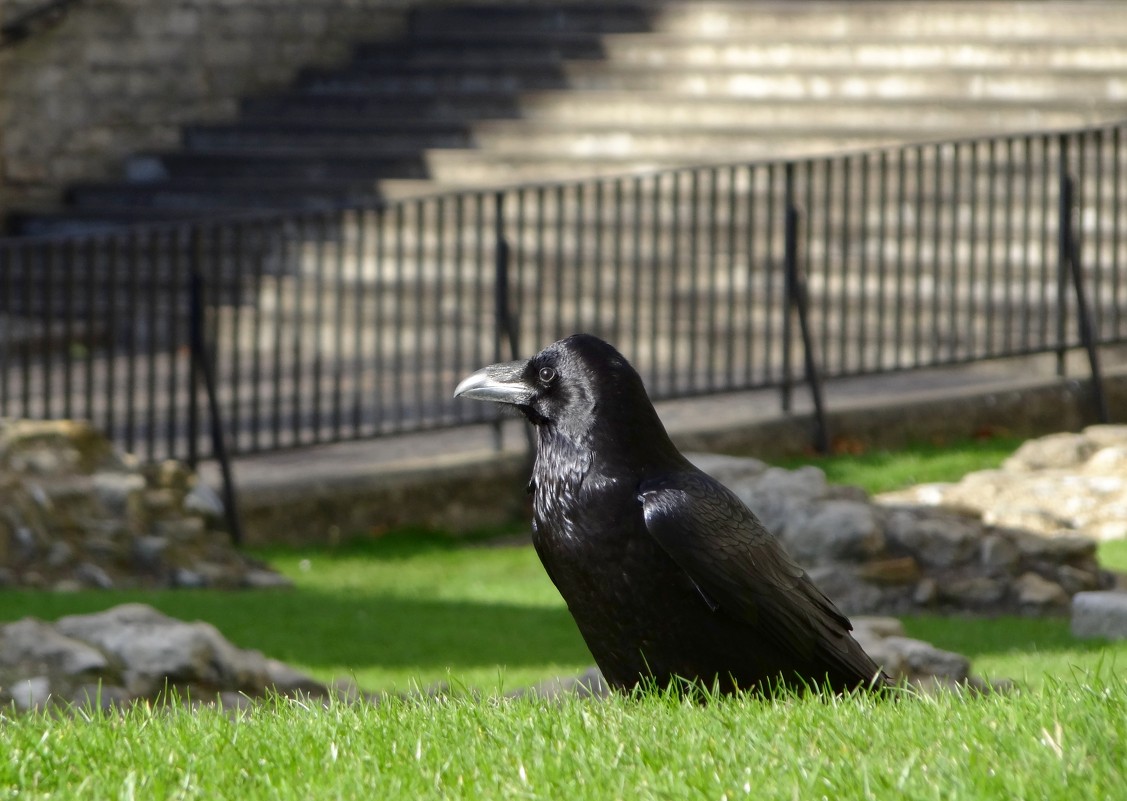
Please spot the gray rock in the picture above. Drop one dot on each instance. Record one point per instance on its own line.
(935, 540)
(119, 493)
(1060, 547)
(1054, 450)
(92, 575)
(836, 531)
(780, 498)
(205, 501)
(917, 660)
(265, 579)
(1035, 590)
(1074, 578)
(1106, 435)
(1100, 614)
(31, 641)
(998, 552)
(154, 648)
(31, 693)
(974, 591)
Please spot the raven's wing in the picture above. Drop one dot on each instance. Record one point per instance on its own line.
(741, 568)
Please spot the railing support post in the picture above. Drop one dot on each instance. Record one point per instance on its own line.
(798, 301)
(1071, 269)
(201, 364)
(505, 329)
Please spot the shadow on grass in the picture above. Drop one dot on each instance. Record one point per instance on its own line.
(321, 630)
(982, 637)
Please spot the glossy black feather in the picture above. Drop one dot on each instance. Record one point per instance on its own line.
(666, 572)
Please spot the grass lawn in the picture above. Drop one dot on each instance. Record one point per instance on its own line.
(413, 609)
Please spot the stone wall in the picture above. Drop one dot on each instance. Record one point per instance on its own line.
(76, 514)
(114, 76)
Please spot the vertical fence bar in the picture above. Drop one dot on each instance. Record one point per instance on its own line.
(1070, 255)
(799, 302)
(201, 356)
(1064, 217)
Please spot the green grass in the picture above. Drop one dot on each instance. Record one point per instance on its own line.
(916, 463)
(409, 609)
(1067, 741)
(414, 608)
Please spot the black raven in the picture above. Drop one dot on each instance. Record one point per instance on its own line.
(670, 577)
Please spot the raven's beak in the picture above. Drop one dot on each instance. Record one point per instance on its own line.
(500, 383)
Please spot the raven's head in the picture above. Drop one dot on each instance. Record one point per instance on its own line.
(577, 386)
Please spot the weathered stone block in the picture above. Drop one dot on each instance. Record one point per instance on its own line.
(1100, 614)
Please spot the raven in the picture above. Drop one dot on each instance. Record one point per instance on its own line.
(669, 576)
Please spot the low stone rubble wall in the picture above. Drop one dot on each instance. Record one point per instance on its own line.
(911, 552)
(133, 653)
(76, 514)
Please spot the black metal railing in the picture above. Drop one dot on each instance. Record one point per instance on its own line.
(358, 322)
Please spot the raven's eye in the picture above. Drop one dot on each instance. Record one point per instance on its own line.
(547, 375)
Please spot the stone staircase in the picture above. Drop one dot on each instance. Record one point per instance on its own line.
(497, 95)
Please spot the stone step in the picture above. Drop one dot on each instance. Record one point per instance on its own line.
(1001, 19)
(485, 114)
(274, 165)
(762, 81)
(683, 143)
(1103, 52)
(188, 198)
(374, 135)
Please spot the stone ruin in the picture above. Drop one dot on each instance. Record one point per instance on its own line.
(133, 653)
(1019, 540)
(76, 514)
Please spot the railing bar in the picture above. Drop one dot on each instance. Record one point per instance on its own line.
(280, 277)
(596, 262)
(438, 327)
(114, 260)
(320, 222)
(560, 259)
(1026, 229)
(154, 274)
(399, 315)
(419, 301)
(991, 244)
(636, 263)
(580, 260)
(47, 267)
(257, 257)
(901, 200)
(7, 278)
(953, 327)
(69, 267)
(656, 279)
(1117, 301)
(882, 258)
(359, 298)
(844, 340)
(341, 226)
(1007, 241)
(176, 245)
(297, 327)
(232, 285)
(730, 268)
(918, 267)
(617, 249)
(712, 284)
(1098, 243)
(937, 263)
(379, 324)
(541, 264)
(693, 273)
